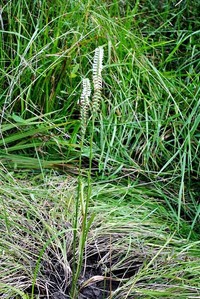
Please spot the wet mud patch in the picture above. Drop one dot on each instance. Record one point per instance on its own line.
(104, 270)
(94, 282)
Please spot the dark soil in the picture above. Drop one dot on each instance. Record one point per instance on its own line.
(91, 283)
(97, 280)
(103, 272)
(100, 289)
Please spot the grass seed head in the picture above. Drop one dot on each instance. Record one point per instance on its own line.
(97, 77)
(85, 103)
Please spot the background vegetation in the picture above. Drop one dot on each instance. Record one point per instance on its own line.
(136, 190)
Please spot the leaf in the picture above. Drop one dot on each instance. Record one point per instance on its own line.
(18, 119)
(74, 71)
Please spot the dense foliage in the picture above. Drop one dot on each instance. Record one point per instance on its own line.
(146, 133)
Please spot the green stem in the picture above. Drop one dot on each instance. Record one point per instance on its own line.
(76, 270)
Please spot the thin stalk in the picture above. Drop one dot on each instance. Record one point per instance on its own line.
(80, 192)
(76, 270)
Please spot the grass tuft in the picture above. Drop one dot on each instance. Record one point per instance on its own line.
(131, 248)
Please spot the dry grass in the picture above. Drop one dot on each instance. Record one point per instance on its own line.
(130, 248)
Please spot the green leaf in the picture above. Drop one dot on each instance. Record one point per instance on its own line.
(18, 119)
(74, 71)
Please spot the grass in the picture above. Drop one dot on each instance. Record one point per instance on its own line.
(118, 188)
(131, 238)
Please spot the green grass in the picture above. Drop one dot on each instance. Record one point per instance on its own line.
(136, 161)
